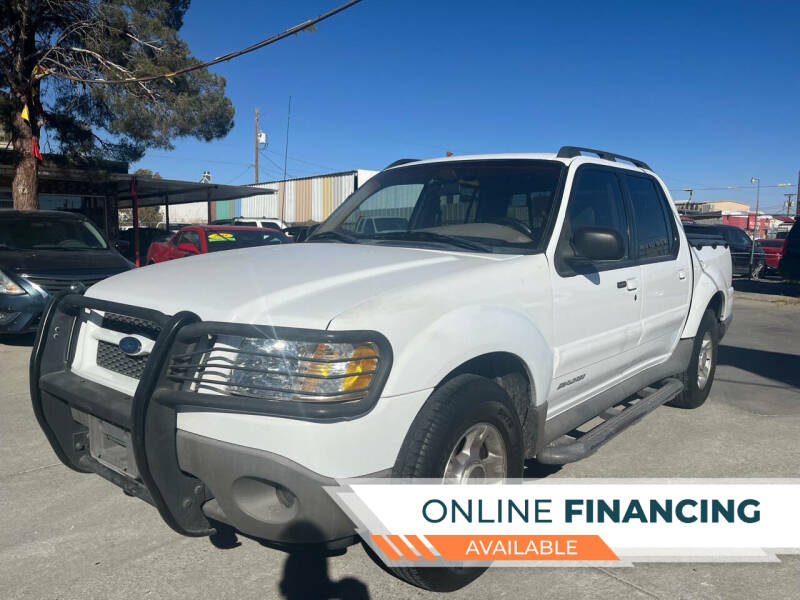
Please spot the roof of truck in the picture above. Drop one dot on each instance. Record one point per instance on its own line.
(565, 155)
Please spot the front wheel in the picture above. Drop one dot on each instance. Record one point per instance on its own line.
(467, 431)
(699, 376)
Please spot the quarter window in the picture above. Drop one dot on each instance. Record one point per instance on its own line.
(653, 231)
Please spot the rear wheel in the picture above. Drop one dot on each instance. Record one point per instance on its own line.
(699, 376)
(467, 431)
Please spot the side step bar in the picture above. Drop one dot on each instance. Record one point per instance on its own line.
(559, 453)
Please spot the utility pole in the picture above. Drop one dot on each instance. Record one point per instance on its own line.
(797, 204)
(255, 145)
(788, 203)
(286, 150)
(755, 222)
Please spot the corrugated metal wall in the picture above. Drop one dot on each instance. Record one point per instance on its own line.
(305, 199)
(263, 205)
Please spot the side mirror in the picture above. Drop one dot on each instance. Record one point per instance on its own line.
(188, 248)
(598, 243)
(122, 245)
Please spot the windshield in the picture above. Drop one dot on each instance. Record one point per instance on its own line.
(218, 240)
(486, 206)
(49, 233)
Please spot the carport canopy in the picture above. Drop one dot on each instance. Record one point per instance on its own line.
(149, 191)
(138, 191)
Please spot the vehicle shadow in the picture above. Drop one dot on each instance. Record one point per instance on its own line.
(537, 470)
(305, 572)
(21, 340)
(769, 287)
(777, 366)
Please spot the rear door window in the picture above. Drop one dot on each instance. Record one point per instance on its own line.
(653, 228)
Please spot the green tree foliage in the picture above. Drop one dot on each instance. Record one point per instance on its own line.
(67, 62)
(149, 216)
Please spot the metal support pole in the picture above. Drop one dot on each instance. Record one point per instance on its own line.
(166, 212)
(135, 210)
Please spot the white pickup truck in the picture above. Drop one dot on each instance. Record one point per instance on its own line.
(526, 295)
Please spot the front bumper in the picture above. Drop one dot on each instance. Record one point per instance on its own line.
(194, 481)
(20, 313)
(263, 494)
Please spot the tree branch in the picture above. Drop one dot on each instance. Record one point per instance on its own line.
(224, 58)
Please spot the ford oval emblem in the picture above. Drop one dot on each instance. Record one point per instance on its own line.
(130, 345)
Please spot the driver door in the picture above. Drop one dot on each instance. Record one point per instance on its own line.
(596, 305)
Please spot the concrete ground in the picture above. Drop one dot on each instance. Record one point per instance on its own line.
(71, 536)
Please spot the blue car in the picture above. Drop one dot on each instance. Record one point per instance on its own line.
(43, 253)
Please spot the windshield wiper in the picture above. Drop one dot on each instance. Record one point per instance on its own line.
(334, 235)
(430, 236)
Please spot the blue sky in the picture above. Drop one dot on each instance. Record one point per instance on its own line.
(707, 93)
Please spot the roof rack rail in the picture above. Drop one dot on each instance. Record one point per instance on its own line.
(401, 161)
(573, 151)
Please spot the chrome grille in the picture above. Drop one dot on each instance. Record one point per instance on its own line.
(109, 356)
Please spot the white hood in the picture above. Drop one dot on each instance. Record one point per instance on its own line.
(292, 285)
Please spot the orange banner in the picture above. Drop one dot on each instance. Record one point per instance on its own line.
(495, 547)
(521, 547)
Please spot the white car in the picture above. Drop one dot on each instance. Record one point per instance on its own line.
(525, 295)
(253, 222)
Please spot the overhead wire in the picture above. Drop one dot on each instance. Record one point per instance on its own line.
(309, 24)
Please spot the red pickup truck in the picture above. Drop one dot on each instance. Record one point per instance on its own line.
(200, 239)
(773, 252)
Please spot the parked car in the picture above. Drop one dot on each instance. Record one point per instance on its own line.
(300, 233)
(789, 266)
(773, 251)
(252, 222)
(43, 253)
(147, 235)
(369, 225)
(201, 239)
(740, 245)
(510, 310)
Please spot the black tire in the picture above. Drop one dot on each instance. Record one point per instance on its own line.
(452, 409)
(693, 395)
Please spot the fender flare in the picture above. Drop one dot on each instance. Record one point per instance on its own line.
(705, 290)
(497, 329)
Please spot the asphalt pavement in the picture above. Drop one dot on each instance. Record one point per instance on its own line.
(71, 536)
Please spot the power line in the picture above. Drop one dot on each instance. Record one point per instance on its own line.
(732, 187)
(309, 24)
(305, 162)
(279, 168)
(197, 158)
(239, 175)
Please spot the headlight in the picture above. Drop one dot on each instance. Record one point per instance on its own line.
(335, 368)
(7, 286)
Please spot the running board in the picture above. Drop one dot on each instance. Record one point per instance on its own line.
(559, 453)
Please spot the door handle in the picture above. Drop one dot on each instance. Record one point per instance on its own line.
(681, 274)
(632, 284)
